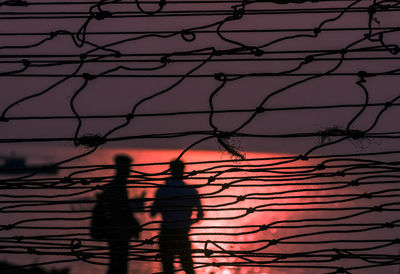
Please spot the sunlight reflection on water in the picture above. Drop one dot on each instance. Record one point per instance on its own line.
(214, 223)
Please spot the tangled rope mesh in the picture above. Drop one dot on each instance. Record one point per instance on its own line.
(313, 82)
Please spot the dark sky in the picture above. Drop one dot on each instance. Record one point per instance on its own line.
(125, 88)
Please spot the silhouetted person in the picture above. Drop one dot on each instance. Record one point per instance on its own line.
(121, 220)
(176, 202)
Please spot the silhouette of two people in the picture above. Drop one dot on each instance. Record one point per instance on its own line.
(114, 222)
(176, 202)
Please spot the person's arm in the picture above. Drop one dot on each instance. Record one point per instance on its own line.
(199, 209)
(200, 212)
(137, 204)
(155, 207)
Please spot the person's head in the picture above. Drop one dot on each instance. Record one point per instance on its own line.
(177, 168)
(123, 165)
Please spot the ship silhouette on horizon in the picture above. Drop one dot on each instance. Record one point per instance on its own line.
(17, 165)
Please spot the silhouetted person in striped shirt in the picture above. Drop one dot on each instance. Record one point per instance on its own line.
(176, 201)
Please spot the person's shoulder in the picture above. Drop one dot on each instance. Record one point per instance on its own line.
(106, 190)
(161, 191)
(191, 190)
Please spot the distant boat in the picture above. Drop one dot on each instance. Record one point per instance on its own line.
(17, 165)
(11, 268)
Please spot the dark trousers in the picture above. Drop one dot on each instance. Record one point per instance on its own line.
(119, 249)
(175, 242)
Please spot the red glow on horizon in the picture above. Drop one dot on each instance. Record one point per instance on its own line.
(217, 216)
